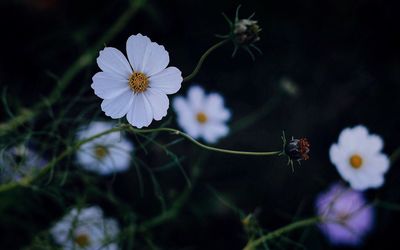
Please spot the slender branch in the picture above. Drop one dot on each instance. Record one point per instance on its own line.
(202, 59)
(83, 61)
(253, 244)
(201, 145)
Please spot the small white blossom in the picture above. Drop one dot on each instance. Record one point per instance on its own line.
(202, 116)
(18, 162)
(86, 229)
(106, 154)
(138, 88)
(358, 158)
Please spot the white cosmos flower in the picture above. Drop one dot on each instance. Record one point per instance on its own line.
(358, 158)
(138, 88)
(86, 229)
(202, 116)
(19, 162)
(106, 154)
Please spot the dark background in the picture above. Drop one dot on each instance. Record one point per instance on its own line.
(343, 57)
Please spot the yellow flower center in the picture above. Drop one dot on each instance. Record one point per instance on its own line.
(356, 161)
(138, 82)
(82, 240)
(201, 117)
(100, 151)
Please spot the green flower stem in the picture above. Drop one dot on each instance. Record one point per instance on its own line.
(83, 61)
(203, 58)
(201, 145)
(253, 244)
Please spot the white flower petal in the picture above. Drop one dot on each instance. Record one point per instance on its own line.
(113, 61)
(214, 108)
(118, 106)
(159, 103)
(107, 85)
(168, 81)
(157, 60)
(196, 98)
(138, 48)
(140, 115)
(214, 131)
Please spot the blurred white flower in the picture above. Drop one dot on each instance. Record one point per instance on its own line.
(18, 162)
(358, 158)
(202, 116)
(86, 229)
(138, 88)
(346, 216)
(107, 154)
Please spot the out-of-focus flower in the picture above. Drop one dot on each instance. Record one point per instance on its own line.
(18, 162)
(289, 86)
(202, 116)
(358, 158)
(86, 229)
(346, 217)
(106, 154)
(138, 88)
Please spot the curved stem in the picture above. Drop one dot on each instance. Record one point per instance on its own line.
(202, 59)
(252, 244)
(191, 139)
(83, 61)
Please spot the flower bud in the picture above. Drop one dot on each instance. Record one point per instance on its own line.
(246, 31)
(297, 149)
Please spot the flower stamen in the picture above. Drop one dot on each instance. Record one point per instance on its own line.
(201, 117)
(100, 152)
(138, 82)
(82, 240)
(356, 161)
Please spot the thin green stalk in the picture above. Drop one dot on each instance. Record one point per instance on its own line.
(201, 145)
(253, 244)
(83, 61)
(203, 58)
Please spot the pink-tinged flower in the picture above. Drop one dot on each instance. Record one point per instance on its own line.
(138, 88)
(346, 216)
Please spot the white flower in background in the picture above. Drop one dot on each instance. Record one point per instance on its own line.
(106, 154)
(18, 162)
(202, 116)
(358, 158)
(86, 229)
(138, 88)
